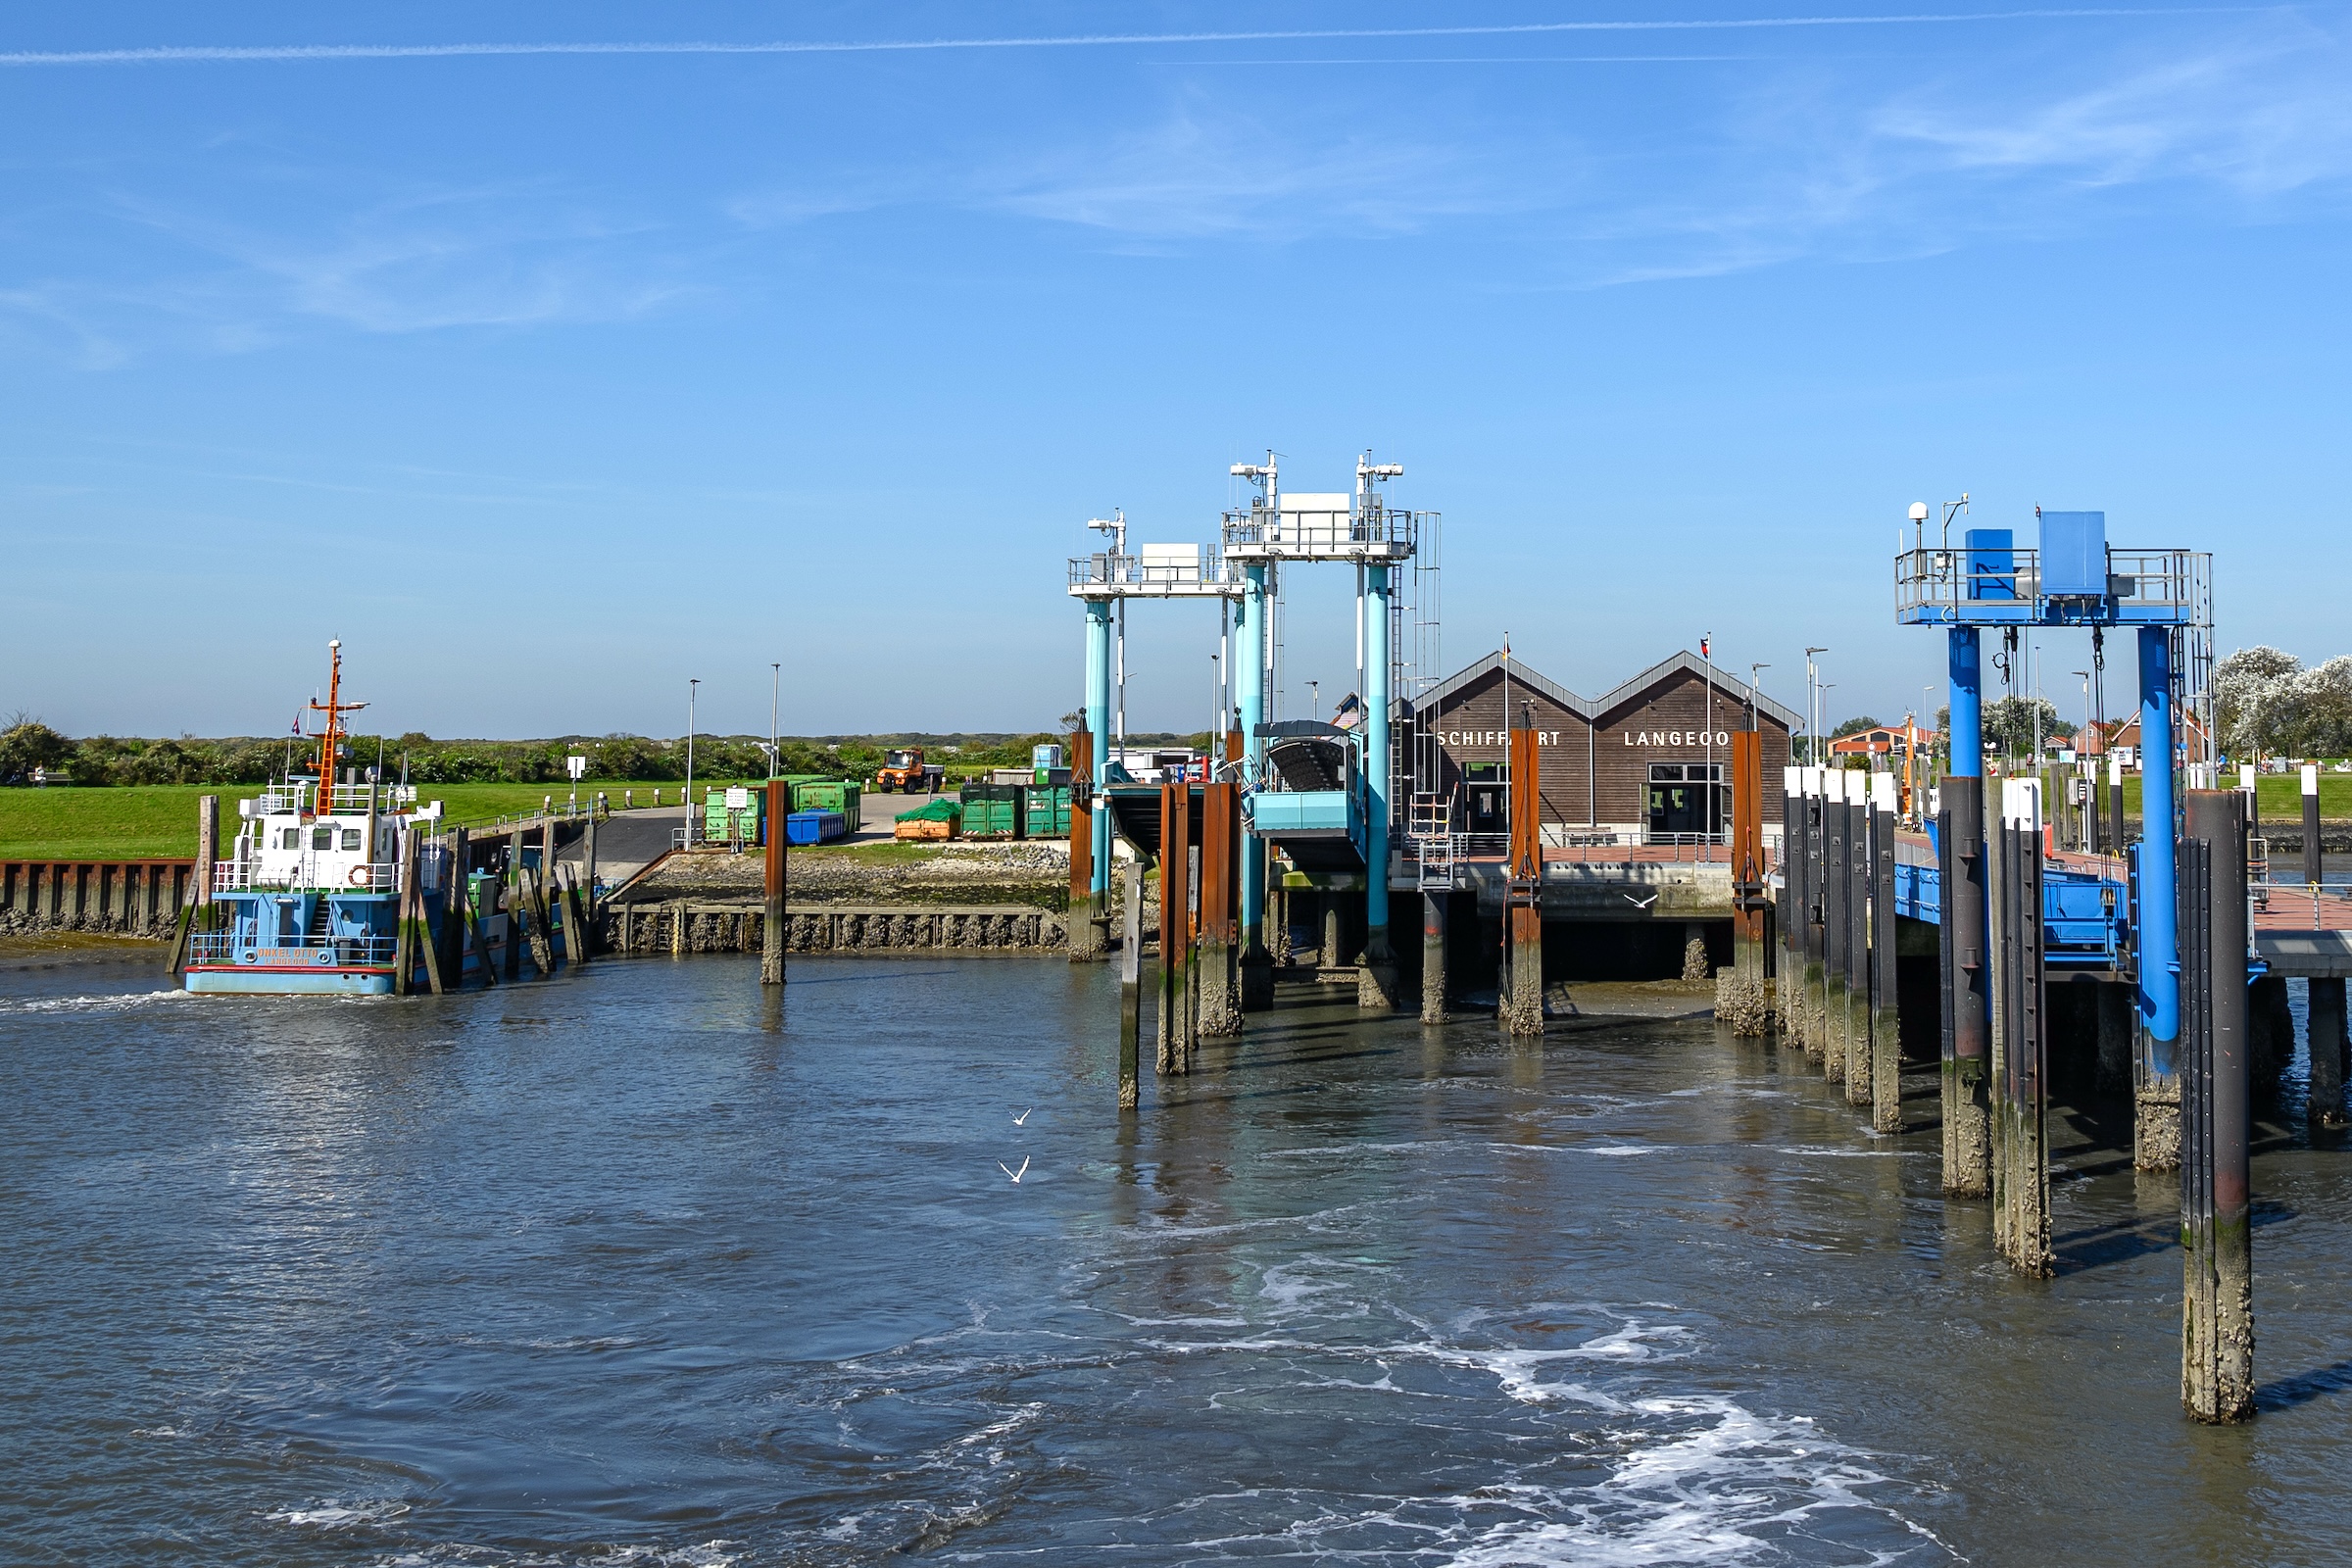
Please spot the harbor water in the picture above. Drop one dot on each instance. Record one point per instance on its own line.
(643, 1266)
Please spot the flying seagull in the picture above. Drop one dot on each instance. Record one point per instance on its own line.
(1016, 1175)
(1022, 1117)
(1639, 904)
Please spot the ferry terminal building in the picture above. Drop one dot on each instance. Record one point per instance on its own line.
(1645, 762)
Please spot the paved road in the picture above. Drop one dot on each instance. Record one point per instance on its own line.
(628, 841)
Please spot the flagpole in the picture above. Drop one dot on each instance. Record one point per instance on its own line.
(1707, 662)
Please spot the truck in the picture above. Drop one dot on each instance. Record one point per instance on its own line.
(905, 770)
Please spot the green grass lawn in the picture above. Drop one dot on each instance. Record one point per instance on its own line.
(65, 823)
(2278, 798)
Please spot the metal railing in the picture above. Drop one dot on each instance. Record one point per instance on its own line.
(2155, 587)
(2287, 901)
(246, 876)
(230, 947)
(1376, 532)
(1208, 573)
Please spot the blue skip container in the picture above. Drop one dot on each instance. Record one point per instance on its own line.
(815, 827)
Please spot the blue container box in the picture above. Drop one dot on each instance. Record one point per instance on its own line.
(2074, 554)
(814, 827)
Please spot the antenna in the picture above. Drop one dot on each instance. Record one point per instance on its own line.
(1114, 525)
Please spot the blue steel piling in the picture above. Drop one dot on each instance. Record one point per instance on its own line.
(2156, 1125)
(1375, 977)
(1967, 1110)
(1250, 696)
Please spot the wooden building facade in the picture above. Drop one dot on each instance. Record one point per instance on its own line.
(1631, 765)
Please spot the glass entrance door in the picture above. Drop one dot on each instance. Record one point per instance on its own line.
(1685, 799)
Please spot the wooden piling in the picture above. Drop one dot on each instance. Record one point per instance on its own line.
(1886, 1022)
(1131, 980)
(1964, 943)
(575, 924)
(516, 913)
(196, 910)
(1523, 1007)
(435, 979)
(455, 898)
(1433, 956)
(771, 920)
(477, 929)
(403, 914)
(1220, 918)
(2217, 1319)
(588, 859)
(1175, 991)
(534, 918)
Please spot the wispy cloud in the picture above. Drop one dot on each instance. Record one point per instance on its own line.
(2257, 115)
(1211, 172)
(1802, 162)
(298, 52)
(416, 260)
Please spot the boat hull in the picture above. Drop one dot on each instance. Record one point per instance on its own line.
(248, 980)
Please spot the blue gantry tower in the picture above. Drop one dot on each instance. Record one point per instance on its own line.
(2071, 578)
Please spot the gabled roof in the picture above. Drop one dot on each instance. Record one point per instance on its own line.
(1682, 662)
(1592, 709)
(1470, 675)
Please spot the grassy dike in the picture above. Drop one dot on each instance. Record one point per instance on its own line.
(67, 822)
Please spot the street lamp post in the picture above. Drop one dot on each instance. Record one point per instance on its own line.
(776, 692)
(1813, 708)
(693, 689)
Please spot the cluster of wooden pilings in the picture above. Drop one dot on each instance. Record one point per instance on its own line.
(435, 876)
(1837, 925)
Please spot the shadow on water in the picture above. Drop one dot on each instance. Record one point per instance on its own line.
(2124, 1240)
(2304, 1387)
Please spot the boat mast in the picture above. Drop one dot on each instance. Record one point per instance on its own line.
(334, 709)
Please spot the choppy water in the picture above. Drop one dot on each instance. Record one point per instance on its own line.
(639, 1267)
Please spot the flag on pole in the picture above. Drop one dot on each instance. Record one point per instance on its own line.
(1702, 647)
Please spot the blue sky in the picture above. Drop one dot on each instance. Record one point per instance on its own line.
(548, 380)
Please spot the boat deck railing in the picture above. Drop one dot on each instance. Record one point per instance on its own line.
(245, 876)
(230, 948)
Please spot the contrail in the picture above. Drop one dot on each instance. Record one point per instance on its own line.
(193, 53)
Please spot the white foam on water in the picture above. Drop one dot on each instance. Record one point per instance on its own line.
(456, 1554)
(1741, 1488)
(114, 1002)
(334, 1515)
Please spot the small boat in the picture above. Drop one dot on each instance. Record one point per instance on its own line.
(307, 899)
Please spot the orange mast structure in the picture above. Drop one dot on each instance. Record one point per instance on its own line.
(334, 707)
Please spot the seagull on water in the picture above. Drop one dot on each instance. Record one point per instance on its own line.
(1022, 1117)
(1016, 1175)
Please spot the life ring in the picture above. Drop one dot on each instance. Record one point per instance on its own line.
(360, 875)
